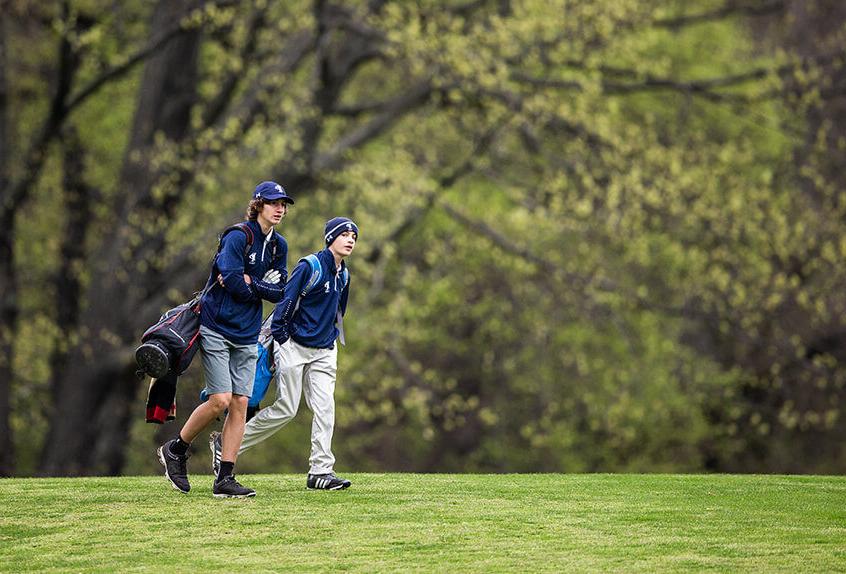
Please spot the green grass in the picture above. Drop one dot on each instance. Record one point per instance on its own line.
(444, 523)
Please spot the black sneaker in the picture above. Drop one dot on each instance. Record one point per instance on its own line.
(228, 487)
(215, 446)
(153, 360)
(326, 482)
(176, 467)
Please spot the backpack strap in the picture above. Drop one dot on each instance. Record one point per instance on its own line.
(241, 227)
(316, 273)
(345, 278)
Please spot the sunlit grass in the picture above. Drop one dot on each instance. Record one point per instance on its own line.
(465, 523)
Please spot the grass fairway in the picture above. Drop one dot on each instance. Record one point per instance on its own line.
(445, 523)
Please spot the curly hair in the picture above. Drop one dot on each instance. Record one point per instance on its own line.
(255, 208)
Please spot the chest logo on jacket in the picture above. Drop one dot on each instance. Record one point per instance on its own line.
(252, 258)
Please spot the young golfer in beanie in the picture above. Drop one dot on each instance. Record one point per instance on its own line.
(305, 325)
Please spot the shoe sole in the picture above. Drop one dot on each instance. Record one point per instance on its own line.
(167, 476)
(152, 360)
(341, 487)
(235, 495)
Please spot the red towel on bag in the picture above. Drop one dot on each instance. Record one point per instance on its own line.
(161, 399)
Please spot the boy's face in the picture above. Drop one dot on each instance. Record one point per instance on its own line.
(343, 244)
(274, 211)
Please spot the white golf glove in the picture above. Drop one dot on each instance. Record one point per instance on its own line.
(272, 276)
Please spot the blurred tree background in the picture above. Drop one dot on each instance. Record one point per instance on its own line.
(596, 235)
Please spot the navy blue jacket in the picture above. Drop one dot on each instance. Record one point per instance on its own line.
(313, 323)
(234, 310)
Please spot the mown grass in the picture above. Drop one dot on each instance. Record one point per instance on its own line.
(440, 523)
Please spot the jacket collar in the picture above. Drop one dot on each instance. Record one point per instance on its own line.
(328, 261)
(258, 234)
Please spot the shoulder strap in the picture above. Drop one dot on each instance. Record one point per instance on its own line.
(277, 237)
(315, 275)
(241, 227)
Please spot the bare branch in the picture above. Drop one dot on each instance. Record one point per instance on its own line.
(228, 85)
(703, 88)
(496, 237)
(729, 10)
(515, 102)
(447, 181)
(355, 110)
(360, 135)
(62, 105)
(34, 158)
(120, 70)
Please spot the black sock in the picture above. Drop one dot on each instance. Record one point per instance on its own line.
(179, 447)
(226, 469)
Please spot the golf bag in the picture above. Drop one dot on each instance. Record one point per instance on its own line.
(265, 365)
(171, 343)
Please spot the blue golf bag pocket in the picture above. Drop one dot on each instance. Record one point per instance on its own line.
(264, 374)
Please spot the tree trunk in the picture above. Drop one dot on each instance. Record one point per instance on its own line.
(8, 285)
(94, 394)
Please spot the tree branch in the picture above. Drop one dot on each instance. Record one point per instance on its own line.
(120, 70)
(154, 46)
(360, 135)
(228, 85)
(729, 10)
(34, 158)
(515, 102)
(696, 87)
(358, 109)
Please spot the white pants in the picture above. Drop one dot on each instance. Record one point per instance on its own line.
(301, 369)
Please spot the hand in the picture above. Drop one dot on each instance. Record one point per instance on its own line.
(247, 279)
(220, 279)
(272, 276)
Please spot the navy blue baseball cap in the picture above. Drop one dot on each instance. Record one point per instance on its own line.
(271, 191)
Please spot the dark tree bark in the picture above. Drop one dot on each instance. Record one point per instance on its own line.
(12, 197)
(67, 282)
(8, 296)
(96, 390)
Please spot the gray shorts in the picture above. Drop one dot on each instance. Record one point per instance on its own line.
(229, 368)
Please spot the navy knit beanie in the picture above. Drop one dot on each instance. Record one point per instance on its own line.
(336, 226)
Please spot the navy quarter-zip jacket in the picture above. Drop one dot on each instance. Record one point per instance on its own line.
(234, 310)
(313, 323)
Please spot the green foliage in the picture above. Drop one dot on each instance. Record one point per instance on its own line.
(599, 243)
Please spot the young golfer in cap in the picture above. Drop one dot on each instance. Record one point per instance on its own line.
(250, 267)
